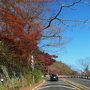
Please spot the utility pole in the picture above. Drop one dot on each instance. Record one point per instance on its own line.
(32, 65)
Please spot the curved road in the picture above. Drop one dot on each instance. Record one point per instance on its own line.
(56, 85)
(63, 85)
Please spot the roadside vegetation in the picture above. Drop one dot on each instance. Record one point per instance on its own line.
(23, 33)
(20, 34)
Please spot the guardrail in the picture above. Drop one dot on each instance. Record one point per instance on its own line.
(73, 76)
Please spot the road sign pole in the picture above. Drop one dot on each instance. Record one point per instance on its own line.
(32, 65)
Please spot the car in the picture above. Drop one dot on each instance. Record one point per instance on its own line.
(53, 77)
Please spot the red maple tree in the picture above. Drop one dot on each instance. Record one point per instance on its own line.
(20, 32)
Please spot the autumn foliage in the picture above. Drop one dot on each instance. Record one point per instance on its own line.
(46, 58)
(21, 31)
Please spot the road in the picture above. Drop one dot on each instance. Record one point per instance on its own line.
(84, 82)
(56, 85)
(63, 85)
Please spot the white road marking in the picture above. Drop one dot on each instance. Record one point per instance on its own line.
(56, 86)
(55, 83)
(35, 88)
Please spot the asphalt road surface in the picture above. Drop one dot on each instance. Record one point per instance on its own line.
(56, 85)
(62, 84)
(84, 82)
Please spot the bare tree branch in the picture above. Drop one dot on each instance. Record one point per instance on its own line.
(84, 21)
(62, 6)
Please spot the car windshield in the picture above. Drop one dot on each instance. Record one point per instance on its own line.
(53, 75)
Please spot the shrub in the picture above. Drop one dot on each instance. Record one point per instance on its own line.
(37, 75)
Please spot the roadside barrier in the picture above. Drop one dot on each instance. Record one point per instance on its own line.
(73, 76)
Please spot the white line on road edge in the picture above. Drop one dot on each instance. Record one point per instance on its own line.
(56, 86)
(35, 88)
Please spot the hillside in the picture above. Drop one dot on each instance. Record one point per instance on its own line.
(61, 68)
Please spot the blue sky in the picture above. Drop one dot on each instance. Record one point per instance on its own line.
(78, 34)
(78, 47)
